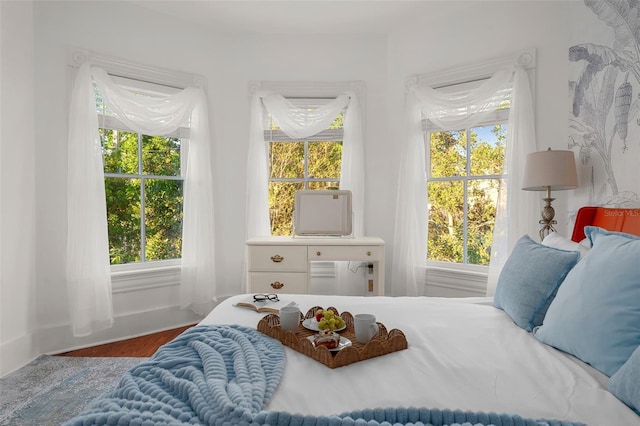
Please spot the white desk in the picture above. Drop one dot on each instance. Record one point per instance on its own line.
(283, 264)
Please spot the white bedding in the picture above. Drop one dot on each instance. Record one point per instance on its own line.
(463, 354)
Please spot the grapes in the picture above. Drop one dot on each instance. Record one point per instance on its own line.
(329, 320)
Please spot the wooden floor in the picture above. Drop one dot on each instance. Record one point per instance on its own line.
(143, 346)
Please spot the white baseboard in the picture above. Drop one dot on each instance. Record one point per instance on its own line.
(16, 353)
(58, 339)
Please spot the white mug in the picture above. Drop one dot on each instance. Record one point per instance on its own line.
(289, 318)
(365, 327)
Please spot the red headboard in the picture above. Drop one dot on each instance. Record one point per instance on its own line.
(612, 219)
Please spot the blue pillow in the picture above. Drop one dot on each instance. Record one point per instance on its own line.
(529, 281)
(596, 313)
(625, 384)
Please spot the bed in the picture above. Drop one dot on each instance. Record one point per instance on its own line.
(468, 361)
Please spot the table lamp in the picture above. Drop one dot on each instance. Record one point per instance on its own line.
(545, 171)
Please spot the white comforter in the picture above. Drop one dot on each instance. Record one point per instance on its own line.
(463, 354)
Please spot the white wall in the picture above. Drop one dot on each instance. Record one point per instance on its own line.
(465, 33)
(228, 63)
(17, 175)
(311, 58)
(457, 33)
(109, 28)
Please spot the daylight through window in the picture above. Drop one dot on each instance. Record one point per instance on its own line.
(462, 183)
(311, 163)
(143, 186)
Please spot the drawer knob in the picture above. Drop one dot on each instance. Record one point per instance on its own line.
(318, 253)
(368, 253)
(277, 285)
(277, 258)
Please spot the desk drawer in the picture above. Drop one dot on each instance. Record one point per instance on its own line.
(277, 282)
(364, 253)
(277, 258)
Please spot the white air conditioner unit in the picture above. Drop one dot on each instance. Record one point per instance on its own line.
(322, 212)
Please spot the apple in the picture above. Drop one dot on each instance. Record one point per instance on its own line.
(319, 315)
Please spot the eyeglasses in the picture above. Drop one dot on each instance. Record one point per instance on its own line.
(265, 297)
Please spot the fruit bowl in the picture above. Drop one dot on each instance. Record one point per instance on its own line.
(327, 319)
(312, 324)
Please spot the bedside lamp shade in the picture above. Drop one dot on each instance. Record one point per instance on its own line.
(555, 169)
(549, 170)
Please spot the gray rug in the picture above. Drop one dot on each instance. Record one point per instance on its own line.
(53, 389)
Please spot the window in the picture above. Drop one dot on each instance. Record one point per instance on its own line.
(462, 183)
(312, 163)
(143, 186)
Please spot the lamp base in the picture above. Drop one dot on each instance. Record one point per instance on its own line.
(547, 221)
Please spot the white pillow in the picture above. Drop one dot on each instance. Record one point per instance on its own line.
(586, 243)
(557, 241)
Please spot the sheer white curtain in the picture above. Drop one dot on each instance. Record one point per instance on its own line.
(517, 211)
(299, 123)
(352, 169)
(457, 111)
(88, 270)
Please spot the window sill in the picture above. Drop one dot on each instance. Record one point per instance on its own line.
(136, 277)
(467, 279)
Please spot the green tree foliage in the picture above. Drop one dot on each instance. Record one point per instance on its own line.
(295, 165)
(154, 172)
(287, 161)
(454, 164)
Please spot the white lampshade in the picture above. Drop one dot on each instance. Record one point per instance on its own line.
(555, 170)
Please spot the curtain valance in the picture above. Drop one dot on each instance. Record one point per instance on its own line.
(150, 115)
(300, 123)
(455, 111)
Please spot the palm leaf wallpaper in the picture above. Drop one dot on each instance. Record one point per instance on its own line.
(604, 116)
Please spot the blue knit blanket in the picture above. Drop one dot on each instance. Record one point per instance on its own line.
(224, 375)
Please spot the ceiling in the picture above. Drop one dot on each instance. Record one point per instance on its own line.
(301, 16)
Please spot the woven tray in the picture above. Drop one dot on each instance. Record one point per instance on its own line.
(381, 344)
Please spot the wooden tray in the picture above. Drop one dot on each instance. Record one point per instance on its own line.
(381, 344)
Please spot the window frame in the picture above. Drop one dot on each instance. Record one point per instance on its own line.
(500, 117)
(457, 277)
(143, 178)
(331, 134)
(152, 274)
